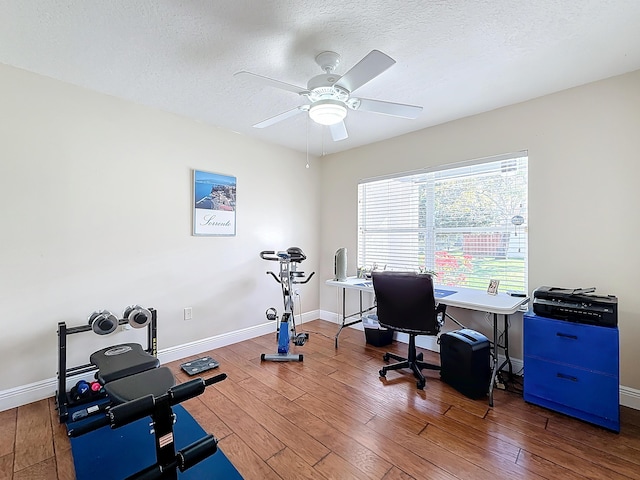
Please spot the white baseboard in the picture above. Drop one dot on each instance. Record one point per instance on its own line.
(630, 397)
(33, 392)
(197, 347)
(330, 316)
(23, 394)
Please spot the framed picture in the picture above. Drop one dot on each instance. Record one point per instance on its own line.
(214, 204)
(493, 287)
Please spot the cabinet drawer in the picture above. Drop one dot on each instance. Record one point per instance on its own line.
(589, 392)
(588, 346)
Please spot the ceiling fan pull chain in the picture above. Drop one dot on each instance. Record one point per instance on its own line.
(307, 142)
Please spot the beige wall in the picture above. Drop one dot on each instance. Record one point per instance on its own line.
(95, 205)
(583, 193)
(96, 213)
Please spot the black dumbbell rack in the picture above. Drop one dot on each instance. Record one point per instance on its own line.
(63, 399)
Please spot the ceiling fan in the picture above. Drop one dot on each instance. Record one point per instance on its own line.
(329, 95)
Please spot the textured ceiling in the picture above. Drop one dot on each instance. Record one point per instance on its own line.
(454, 57)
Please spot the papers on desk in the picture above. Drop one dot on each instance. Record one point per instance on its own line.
(438, 293)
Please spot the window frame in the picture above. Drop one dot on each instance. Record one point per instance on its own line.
(410, 243)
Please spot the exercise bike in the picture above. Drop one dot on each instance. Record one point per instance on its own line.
(288, 276)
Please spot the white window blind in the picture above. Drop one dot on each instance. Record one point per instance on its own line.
(466, 223)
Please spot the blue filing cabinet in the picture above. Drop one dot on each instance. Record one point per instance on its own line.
(573, 368)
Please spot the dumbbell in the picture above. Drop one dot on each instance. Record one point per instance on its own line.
(103, 322)
(81, 390)
(137, 316)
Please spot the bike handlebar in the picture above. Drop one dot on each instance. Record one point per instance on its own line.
(274, 276)
(308, 278)
(293, 281)
(269, 255)
(291, 254)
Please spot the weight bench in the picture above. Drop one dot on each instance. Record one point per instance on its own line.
(158, 407)
(128, 372)
(114, 365)
(137, 387)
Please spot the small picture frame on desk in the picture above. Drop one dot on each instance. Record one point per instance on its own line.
(493, 287)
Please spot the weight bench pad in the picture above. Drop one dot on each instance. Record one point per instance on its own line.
(121, 361)
(155, 382)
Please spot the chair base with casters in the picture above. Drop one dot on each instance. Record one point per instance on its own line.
(414, 362)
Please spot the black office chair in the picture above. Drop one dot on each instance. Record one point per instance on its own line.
(406, 303)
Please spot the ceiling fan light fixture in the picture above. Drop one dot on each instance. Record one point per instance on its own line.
(328, 112)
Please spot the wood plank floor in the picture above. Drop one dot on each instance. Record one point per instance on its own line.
(332, 417)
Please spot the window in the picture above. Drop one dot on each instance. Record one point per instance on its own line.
(468, 223)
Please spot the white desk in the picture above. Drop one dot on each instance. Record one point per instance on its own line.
(468, 298)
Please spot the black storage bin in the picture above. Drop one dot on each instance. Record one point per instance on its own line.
(378, 337)
(465, 361)
(374, 333)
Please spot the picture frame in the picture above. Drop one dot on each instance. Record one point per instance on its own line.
(214, 204)
(493, 287)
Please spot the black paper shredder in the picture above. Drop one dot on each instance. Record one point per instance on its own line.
(465, 361)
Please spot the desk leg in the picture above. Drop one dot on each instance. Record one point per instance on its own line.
(507, 358)
(505, 348)
(344, 315)
(454, 320)
(494, 371)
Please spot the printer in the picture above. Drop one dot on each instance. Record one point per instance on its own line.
(578, 305)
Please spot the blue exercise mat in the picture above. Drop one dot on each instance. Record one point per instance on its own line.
(107, 454)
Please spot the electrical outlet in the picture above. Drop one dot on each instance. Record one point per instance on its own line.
(188, 313)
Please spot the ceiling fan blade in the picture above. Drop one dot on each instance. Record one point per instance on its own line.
(272, 82)
(282, 116)
(372, 65)
(338, 131)
(387, 108)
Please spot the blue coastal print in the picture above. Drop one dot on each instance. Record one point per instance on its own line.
(214, 197)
